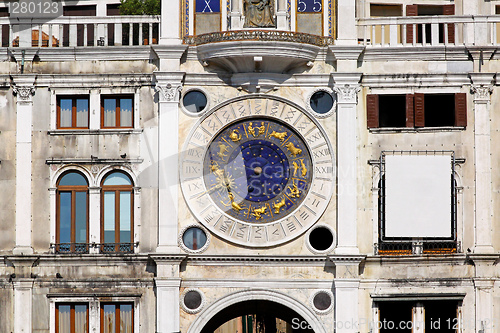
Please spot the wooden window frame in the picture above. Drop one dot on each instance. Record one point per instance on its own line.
(72, 315)
(73, 189)
(415, 110)
(117, 98)
(74, 98)
(117, 189)
(117, 317)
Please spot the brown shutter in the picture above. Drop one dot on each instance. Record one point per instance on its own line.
(461, 110)
(372, 111)
(419, 110)
(411, 10)
(450, 10)
(409, 111)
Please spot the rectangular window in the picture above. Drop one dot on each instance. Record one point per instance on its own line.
(310, 17)
(117, 112)
(425, 10)
(416, 110)
(72, 318)
(72, 112)
(117, 318)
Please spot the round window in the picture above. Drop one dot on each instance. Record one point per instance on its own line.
(321, 102)
(194, 101)
(192, 300)
(321, 239)
(194, 238)
(322, 301)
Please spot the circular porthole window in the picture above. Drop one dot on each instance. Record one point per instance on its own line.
(322, 102)
(192, 301)
(194, 101)
(321, 239)
(194, 239)
(322, 301)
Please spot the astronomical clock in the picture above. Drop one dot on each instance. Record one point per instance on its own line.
(257, 171)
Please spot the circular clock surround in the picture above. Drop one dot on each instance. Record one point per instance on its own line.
(257, 171)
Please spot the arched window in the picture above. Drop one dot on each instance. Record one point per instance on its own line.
(72, 213)
(117, 213)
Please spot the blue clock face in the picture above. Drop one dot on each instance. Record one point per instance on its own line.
(257, 170)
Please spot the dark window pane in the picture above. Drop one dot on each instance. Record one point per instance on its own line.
(194, 101)
(439, 110)
(73, 179)
(194, 238)
(81, 217)
(65, 217)
(392, 110)
(321, 102)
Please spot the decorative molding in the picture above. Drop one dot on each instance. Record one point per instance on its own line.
(259, 35)
(169, 92)
(24, 93)
(180, 240)
(92, 160)
(347, 93)
(481, 92)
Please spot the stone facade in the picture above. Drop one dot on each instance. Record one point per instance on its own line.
(420, 82)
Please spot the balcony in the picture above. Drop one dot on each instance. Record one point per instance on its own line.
(428, 31)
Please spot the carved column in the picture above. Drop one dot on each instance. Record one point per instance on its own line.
(24, 90)
(347, 87)
(482, 87)
(168, 86)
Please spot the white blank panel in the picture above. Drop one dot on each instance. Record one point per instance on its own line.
(418, 196)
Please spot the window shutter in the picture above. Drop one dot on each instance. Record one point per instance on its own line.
(372, 110)
(461, 110)
(450, 10)
(411, 10)
(419, 110)
(409, 111)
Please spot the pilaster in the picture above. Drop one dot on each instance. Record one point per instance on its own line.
(168, 86)
(24, 89)
(170, 33)
(167, 285)
(347, 87)
(346, 15)
(94, 217)
(482, 87)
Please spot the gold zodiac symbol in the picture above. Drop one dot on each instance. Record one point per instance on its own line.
(234, 205)
(277, 206)
(223, 149)
(294, 192)
(257, 212)
(295, 168)
(303, 167)
(294, 150)
(280, 136)
(260, 129)
(235, 136)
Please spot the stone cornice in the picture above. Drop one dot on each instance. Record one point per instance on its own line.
(268, 260)
(412, 81)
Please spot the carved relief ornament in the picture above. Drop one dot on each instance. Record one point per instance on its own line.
(482, 92)
(347, 93)
(24, 93)
(169, 92)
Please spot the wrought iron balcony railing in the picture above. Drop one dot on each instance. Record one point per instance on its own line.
(84, 248)
(85, 31)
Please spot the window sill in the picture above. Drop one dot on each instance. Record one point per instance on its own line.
(387, 130)
(94, 131)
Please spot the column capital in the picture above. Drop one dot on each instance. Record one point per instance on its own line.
(482, 86)
(23, 86)
(347, 86)
(169, 85)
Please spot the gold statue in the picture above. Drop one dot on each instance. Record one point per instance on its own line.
(258, 14)
(251, 130)
(277, 206)
(234, 205)
(257, 212)
(262, 128)
(294, 150)
(303, 167)
(235, 136)
(294, 192)
(280, 136)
